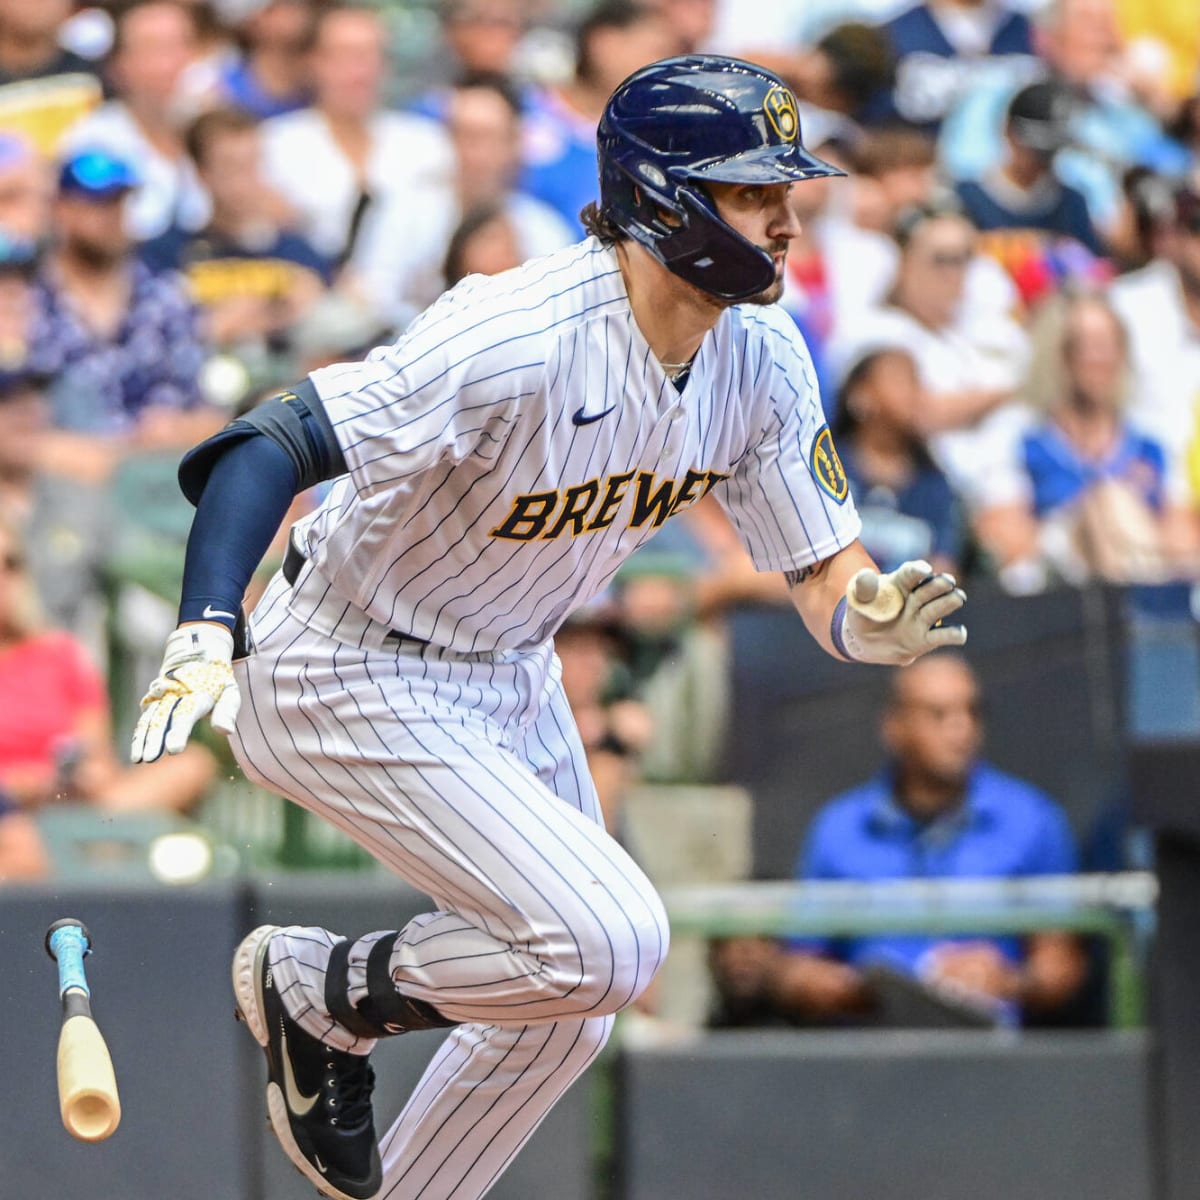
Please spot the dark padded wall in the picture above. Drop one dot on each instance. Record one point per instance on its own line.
(921, 1116)
(160, 987)
(804, 727)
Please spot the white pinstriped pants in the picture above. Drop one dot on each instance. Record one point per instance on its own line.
(465, 775)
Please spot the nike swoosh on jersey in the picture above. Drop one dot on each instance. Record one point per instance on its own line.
(210, 612)
(300, 1104)
(580, 418)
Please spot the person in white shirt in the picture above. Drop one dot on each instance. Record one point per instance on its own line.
(154, 42)
(483, 119)
(1160, 306)
(346, 158)
(970, 356)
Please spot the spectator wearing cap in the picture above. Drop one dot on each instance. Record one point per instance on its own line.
(1080, 45)
(1160, 305)
(124, 350)
(270, 76)
(614, 40)
(908, 509)
(154, 41)
(124, 343)
(1022, 193)
(252, 277)
(56, 85)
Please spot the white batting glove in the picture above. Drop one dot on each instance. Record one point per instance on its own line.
(196, 678)
(893, 619)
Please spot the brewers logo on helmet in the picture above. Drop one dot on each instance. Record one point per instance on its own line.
(677, 124)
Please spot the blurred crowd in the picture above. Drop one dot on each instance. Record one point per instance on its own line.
(202, 200)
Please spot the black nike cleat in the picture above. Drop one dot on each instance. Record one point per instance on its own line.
(319, 1098)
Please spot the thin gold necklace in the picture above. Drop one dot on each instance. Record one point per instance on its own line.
(673, 370)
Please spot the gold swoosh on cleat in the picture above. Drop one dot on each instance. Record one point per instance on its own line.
(300, 1104)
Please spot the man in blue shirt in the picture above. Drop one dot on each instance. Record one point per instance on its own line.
(936, 812)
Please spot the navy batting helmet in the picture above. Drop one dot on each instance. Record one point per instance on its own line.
(676, 124)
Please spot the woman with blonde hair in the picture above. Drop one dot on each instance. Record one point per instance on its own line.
(1095, 503)
(55, 723)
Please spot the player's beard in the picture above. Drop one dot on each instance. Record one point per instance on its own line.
(771, 294)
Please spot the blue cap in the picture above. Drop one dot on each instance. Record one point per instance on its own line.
(98, 173)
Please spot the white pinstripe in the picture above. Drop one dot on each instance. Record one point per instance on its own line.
(467, 778)
(457, 764)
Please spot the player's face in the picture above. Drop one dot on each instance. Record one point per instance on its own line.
(762, 214)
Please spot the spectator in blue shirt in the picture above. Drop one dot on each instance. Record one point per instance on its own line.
(614, 40)
(937, 811)
(1022, 193)
(270, 77)
(123, 344)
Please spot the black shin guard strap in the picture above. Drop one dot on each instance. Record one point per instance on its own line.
(384, 1011)
(390, 1010)
(337, 986)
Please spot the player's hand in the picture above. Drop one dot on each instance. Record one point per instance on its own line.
(896, 617)
(196, 678)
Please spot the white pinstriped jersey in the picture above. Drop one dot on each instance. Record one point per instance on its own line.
(520, 440)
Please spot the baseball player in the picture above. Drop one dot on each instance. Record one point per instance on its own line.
(492, 469)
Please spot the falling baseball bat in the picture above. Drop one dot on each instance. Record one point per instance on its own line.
(87, 1085)
(875, 596)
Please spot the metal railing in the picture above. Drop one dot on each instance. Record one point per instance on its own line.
(1118, 908)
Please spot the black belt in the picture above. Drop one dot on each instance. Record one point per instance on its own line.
(295, 558)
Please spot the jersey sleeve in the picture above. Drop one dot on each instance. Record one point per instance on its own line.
(437, 395)
(789, 496)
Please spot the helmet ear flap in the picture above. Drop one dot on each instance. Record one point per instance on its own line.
(713, 256)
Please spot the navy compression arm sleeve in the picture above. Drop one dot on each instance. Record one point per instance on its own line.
(244, 501)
